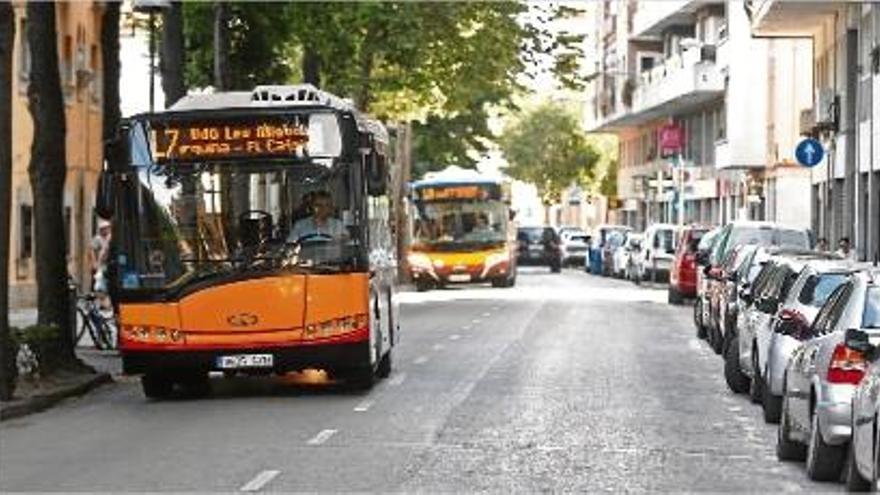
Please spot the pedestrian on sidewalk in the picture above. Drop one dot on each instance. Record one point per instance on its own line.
(822, 245)
(99, 255)
(844, 249)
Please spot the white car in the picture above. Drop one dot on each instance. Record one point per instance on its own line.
(626, 256)
(659, 251)
(575, 246)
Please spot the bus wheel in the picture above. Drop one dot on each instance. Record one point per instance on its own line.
(385, 366)
(157, 386)
(196, 385)
(500, 282)
(361, 378)
(423, 285)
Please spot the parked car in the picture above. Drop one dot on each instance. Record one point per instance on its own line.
(703, 258)
(539, 246)
(747, 278)
(721, 294)
(683, 276)
(863, 470)
(659, 251)
(607, 238)
(821, 378)
(790, 325)
(575, 244)
(744, 232)
(626, 255)
(771, 289)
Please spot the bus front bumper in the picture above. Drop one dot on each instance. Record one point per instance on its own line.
(284, 359)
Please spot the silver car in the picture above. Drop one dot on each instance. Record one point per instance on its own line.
(863, 470)
(790, 326)
(819, 382)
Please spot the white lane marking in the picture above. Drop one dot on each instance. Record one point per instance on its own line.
(321, 437)
(397, 380)
(466, 327)
(454, 336)
(486, 315)
(421, 360)
(260, 481)
(438, 347)
(364, 406)
(695, 345)
(476, 320)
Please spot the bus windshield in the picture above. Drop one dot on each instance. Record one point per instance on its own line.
(207, 220)
(442, 224)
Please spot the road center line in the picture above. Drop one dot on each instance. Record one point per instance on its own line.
(476, 320)
(364, 406)
(454, 336)
(421, 360)
(260, 481)
(438, 347)
(466, 327)
(321, 437)
(486, 315)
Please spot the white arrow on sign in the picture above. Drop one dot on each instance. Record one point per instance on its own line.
(809, 150)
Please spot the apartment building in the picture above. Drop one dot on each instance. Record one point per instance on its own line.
(79, 52)
(845, 42)
(693, 65)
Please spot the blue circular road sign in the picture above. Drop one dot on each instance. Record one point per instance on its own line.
(809, 152)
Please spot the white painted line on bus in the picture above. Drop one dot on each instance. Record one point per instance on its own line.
(454, 336)
(364, 406)
(398, 379)
(438, 347)
(260, 481)
(321, 437)
(421, 360)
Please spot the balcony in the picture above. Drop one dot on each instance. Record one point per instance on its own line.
(681, 83)
(789, 18)
(653, 17)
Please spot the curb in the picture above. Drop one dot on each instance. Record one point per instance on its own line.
(42, 402)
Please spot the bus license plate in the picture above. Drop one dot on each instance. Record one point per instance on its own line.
(245, 361)
(459, 277)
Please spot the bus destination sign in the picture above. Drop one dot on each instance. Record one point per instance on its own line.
(196, 141)
(440, 193)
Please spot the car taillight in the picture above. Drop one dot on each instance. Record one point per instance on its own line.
(847, 366)
(689, 260)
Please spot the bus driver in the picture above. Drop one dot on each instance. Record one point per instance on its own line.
(321, 224)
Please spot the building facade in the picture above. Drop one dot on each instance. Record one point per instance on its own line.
(845, 42)
(693, 65)
(79, 52)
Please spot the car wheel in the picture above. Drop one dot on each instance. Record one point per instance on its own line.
(855, 482)
(673, 296)
(787, 449)
(824, 462)
(755, 392)
(737, 381)
(698, 318)
(385, 366)
(715, 339)
(772, 404)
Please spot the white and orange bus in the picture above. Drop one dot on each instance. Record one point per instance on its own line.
(252, 235)
(462, 230)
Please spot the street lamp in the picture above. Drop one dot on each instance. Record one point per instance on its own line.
(152, 7)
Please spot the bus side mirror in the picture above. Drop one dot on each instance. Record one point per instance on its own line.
(377, 175)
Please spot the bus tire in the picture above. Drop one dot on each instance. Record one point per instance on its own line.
(156, 386)
(196, 385)
(385, 366)
(423, 286)
(361, 378)
(512, 281)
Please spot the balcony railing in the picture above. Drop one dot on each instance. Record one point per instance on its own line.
(694, 71)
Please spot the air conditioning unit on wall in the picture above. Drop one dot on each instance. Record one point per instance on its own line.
(827, 109)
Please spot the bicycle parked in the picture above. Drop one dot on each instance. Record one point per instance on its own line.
(100, 323)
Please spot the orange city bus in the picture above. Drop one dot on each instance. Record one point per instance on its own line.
(252, 235)
(462, 230)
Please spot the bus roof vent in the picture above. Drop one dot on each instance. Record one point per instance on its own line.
(297, 94)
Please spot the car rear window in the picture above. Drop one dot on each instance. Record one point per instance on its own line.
(818, 288)
(578, 238)
(530, 235)
(871, 316)
(770, 236)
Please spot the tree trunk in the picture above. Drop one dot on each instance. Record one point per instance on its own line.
(173, 52)
(47, 171)
(364, 93)
(221, 46)
(110, 80)
(311, 66)
(7, 349)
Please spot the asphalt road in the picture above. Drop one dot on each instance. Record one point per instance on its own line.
(565, 382)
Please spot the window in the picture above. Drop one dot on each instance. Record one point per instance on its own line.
(24, 52)
(818, 288)
(26, 232)
(871, 315)
(822, 324)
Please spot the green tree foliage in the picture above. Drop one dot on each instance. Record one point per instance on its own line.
(259, 34)
(547, 147)
(441, 65)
